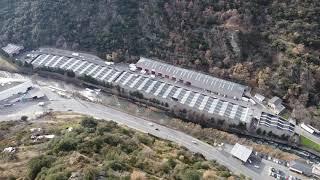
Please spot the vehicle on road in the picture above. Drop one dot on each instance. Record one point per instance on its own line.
(272, 170)
(194, 142)
(7, 105)
(150, 124)
(157, 129)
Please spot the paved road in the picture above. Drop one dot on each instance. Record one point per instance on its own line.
(102, 112)
(180, 138)
(306, 134)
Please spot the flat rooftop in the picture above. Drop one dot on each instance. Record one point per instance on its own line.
(81, 66)
(196, 79)
(12, 48)
(196, 99)
(273, 121)
(72, 54)
(300, 165)
(241, 152)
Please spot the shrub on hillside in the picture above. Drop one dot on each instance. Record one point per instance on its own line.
(24, 118)
(71, 74)
(36, 164)
(89, 173)
(89, 122)
(191, 175)
(118, 166)
(147, 140)
(64, 144)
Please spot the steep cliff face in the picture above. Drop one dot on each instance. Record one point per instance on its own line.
(270, 45)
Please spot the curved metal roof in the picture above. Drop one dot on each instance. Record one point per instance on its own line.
(196, 79)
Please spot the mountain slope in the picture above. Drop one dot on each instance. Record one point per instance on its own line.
(270, 45)
(93, 149)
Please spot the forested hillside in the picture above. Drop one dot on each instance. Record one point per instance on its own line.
(270, 45)
(84, 148)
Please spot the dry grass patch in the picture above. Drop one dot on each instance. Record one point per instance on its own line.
(6, 66)
(137, 175)
(209, 175)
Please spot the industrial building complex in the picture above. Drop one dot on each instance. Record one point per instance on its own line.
(191, 95)
(180, 88)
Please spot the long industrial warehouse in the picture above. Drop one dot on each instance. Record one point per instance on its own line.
(182, 88)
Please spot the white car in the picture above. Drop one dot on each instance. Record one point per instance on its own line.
(150, 124)
(194, 142)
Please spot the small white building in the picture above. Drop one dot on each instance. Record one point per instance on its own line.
(9, 150)
(276, 104)
(241, 152)
(301, 167)
(259, 97)
(75, 54)
(12, 49)
(316, 169)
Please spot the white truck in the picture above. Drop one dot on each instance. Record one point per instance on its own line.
(41, 104)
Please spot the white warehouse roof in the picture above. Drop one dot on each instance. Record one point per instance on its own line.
(196, 79)
(12, 49)
(259, 97)
(19, 88)
(241, 152)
